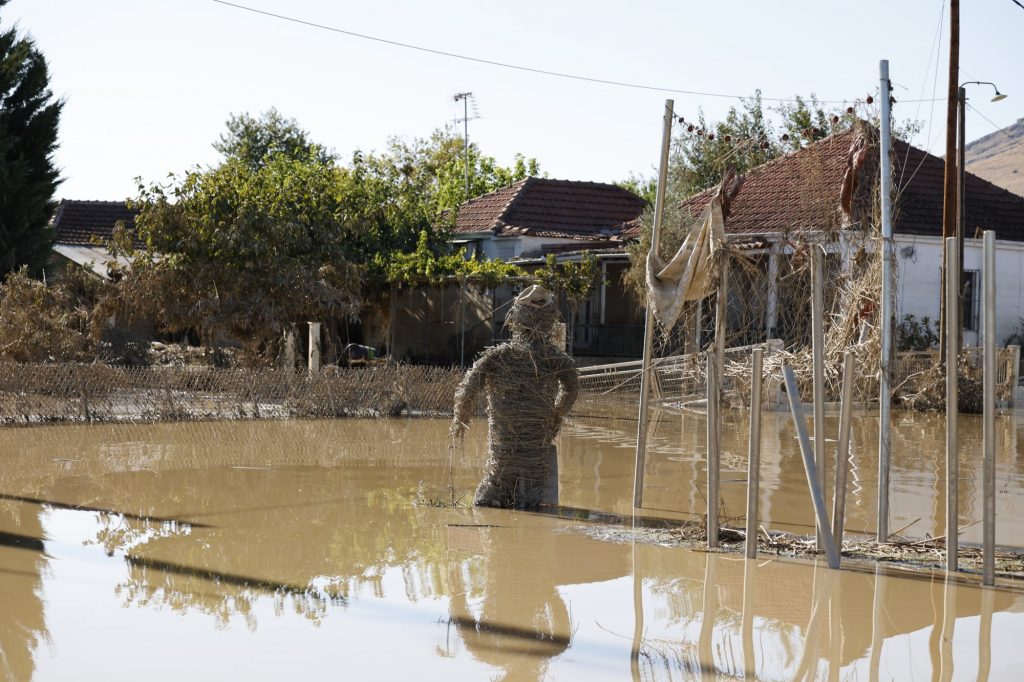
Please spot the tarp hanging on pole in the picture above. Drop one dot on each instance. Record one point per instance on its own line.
(688, 276)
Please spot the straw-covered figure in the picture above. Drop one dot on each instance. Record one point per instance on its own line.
(530, 386)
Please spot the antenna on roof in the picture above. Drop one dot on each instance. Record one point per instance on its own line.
(466, 98)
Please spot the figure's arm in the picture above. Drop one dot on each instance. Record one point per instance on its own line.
(466, 395)
(568, 381)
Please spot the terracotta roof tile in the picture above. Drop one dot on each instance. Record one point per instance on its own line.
(77, 222)
(801, 191)
(552, 208)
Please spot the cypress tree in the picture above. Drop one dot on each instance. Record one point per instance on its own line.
(28, 137)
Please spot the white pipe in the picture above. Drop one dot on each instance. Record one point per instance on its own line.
(843, 449)
(713, 451)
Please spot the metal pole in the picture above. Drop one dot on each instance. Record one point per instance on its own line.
(818, 378)
(465, 137)
(949, 177)
(462, 323)
(952, 408)
(754, 453)
(714, 454)
(884, 392)
(958, 314)
(721, 316)
(645, 373)
(988, 565)
(813, 481)
(843, 450)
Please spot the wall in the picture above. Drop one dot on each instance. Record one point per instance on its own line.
(918, 283)
(427, 326)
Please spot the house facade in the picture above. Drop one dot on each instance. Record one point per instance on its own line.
(80, 229)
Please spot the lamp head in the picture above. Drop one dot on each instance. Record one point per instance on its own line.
(998, 97)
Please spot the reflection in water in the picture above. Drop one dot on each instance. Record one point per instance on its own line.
(22, 563)
(306, 535)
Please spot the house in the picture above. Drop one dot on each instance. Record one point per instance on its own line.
(803, 192)
(81, 227)
(524, 222)
(536, 215)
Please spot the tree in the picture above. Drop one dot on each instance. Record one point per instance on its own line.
(240, 252)
(29, 115)
(255, 140)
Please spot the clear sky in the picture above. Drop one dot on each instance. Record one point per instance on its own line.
(149, 83)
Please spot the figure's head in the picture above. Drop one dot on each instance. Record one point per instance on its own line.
(533, 313)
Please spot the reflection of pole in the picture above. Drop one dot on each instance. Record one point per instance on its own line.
(813, 480)
(749, 664)
(843, 450)
(877, 628)
(985, 635)
(705, 649)
(952, 409)
(754, 454)
(949, 589)
(713, 452)
(638, 620)
(884, 393)
(645, 373)
(824, 586)
(818, 369)
(988, 565)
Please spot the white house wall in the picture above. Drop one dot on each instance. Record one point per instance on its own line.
(918, 283)
(507, 248)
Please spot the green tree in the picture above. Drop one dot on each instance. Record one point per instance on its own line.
(29, 115)
(240, 252)
(254, 140)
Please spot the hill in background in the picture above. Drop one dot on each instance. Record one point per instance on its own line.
(999, 157)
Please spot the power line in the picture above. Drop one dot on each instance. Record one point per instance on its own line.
(505, 65)
(1018, 3)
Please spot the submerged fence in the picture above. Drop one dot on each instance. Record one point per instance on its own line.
(67, 392)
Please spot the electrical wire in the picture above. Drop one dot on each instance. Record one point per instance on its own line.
(504, 65)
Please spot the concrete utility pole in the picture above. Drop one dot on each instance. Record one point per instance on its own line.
(949, 211)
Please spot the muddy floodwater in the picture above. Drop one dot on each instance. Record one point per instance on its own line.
(311, 550)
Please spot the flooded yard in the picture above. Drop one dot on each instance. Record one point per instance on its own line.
(310, 550)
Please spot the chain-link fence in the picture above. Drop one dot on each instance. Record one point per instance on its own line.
(69, 392)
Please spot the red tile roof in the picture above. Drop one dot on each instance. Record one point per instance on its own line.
(801, 191)
(552, 208)
(77, 222)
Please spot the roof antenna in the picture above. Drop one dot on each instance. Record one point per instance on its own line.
(466, 98)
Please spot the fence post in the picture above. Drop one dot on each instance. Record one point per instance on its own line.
(314, 347)
(952, 404)
(714, 455)
(988, 562)
(818, 358)
(288, 357)
(813, 480)
(843, 450)
(754, 453)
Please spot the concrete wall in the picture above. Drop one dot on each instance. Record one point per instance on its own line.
(918, 283)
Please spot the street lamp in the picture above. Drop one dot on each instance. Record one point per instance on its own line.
(960, 213)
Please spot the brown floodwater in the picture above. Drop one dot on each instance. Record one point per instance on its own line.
(309, 550)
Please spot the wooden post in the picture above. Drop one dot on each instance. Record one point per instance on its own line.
(843, 450)
(714, 454)
(813, 480)
(288, 356)
(818, 375)
(646, 370)
(754, 453)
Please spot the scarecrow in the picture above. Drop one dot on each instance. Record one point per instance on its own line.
(530, 386)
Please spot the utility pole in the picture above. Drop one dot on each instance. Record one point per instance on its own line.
(949, 211)
(465, 98)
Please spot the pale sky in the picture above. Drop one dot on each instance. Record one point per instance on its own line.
(150, 83)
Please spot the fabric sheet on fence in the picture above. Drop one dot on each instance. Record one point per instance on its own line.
(687, 276)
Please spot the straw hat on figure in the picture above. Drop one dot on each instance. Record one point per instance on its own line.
(530, 386)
